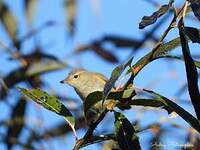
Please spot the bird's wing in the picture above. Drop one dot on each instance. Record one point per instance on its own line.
(101, 76)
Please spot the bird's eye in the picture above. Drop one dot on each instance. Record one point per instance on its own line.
(76, 76)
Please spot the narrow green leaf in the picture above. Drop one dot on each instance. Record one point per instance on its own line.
(197, 63)
(51, 103)
(162, 50)
(125, 133)
(179, 110)
(114, 76)
(191, 70)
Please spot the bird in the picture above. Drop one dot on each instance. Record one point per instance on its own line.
(84, 83)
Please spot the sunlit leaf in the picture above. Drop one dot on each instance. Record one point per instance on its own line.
(70, 6)
(125, 133)
(51, 103)
(114, 76)
(30, 6)
(44, 66)
(9, 22)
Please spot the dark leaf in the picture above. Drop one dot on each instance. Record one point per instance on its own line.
(16, 123)
(191, 71)
(176, 108)
(119, 41)
(125, 133)
(51, 103)
(99, 50)
(195, 5)
(193, 34)
(94, 140)
(114, 76)
(148, 20)
(105, 54)
(157, 103)
(197, 63)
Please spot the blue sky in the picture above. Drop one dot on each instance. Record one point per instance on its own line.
(114, 17)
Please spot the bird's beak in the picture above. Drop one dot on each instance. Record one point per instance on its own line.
(62, 81)
(66, 80)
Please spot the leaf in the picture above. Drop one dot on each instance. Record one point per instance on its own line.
(162, 50)
(125, 133)
(193, 34)
(105, 54)
(30, 6)
(16, 123)
(81, 143)
(119, 41)
(148, 20)
(197, 63)
(51, 103)
(44, 66)
(179, 110)
(9, 22)
(95, 97)
(195, 5)
(156, 102)
(114, 76)
(99, 50)
(191, 71)
(70, 6)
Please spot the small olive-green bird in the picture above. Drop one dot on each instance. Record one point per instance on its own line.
(84, 83)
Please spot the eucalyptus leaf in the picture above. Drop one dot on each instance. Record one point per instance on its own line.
(51, 103)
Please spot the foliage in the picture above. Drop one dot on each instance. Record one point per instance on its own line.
(125, 133)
